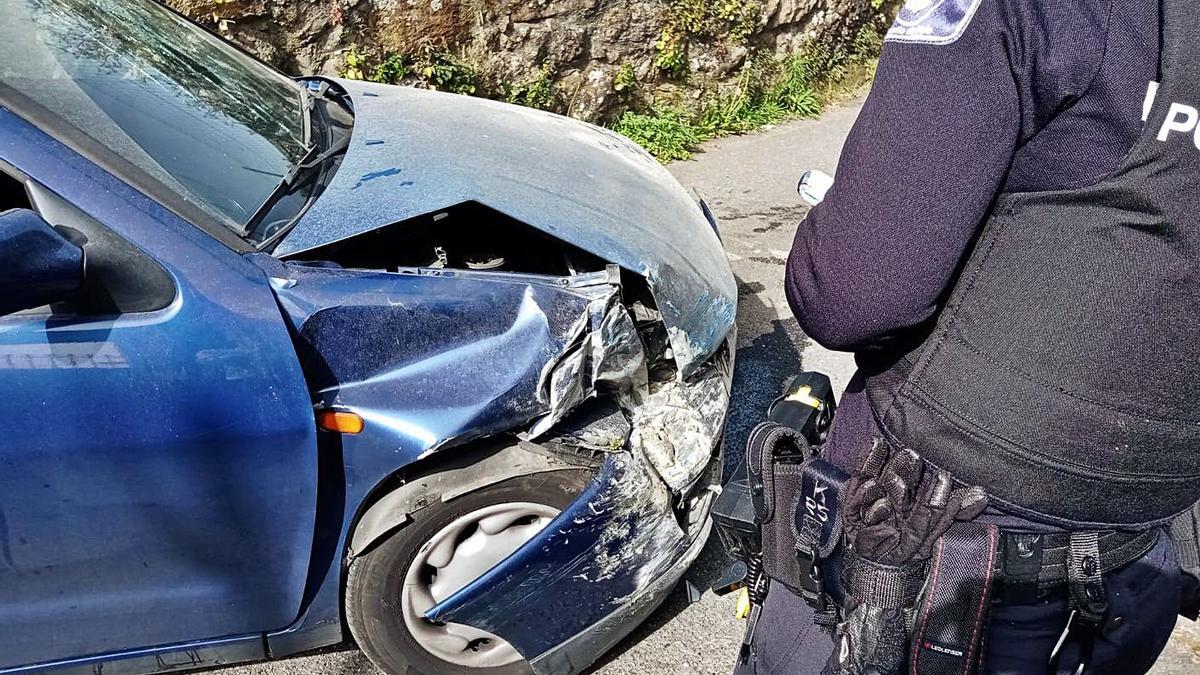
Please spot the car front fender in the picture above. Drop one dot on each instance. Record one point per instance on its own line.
(464, 475)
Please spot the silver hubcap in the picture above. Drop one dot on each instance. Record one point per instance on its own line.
(454, 557)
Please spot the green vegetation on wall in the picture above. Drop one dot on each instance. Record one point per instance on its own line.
(727, 20)
(443, 70)
(672, 51)
(625, 81)
(536, 92)
(768, 90)
(435, 68)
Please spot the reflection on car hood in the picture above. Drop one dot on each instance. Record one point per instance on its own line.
(415, 152)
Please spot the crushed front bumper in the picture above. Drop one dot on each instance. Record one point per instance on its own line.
(609, 559)
(592, 574)
(580, 651)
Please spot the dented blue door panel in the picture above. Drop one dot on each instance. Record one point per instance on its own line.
(158, 468)
(428, 360)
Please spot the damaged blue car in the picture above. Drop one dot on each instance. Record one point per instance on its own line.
(289, 362)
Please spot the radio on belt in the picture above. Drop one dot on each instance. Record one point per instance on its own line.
(808, 407)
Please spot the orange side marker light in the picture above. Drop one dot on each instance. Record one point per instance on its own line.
(339, 421)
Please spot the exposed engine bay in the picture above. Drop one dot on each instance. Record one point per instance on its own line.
(468, 236)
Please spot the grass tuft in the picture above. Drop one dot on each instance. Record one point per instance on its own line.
(667, 131)
(768, 90)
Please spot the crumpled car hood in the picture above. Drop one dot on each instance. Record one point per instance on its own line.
(415, 152)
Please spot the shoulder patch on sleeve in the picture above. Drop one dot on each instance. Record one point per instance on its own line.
(932, 22)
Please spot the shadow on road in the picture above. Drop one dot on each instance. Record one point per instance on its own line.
(764, 367)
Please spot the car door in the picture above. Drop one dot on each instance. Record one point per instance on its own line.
(158, 457)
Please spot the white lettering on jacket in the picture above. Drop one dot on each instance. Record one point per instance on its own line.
(1181, 118)
(1151, 95)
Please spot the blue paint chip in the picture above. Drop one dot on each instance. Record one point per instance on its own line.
(368, 177)
(932, 22)
(375, 142)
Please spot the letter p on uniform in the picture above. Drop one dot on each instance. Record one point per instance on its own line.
(1180, 118)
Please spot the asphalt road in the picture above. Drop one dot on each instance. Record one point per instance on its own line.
(750, 183)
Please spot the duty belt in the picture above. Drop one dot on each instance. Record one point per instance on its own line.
(977, 564)
(1033, 567)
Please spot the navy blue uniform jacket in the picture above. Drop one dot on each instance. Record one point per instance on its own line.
(1022, 95)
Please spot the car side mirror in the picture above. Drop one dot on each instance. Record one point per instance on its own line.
(38, 266)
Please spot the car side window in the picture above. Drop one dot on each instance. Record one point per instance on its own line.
(12, 194)
(119, 277)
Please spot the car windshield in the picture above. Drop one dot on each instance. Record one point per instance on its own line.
(210, 124)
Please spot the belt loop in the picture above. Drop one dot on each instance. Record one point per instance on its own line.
(1083, 577)
(1022, 567)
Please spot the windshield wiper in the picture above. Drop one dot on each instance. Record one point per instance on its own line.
(309, 106)
(308, 165)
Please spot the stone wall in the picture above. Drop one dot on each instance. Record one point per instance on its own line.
(586, 49)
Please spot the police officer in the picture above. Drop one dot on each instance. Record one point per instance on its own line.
(1011, 249)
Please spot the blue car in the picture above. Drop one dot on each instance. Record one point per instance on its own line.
(288, 362)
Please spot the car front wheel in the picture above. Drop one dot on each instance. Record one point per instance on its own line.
(445, 547)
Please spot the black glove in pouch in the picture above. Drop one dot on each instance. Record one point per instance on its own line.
(898, 516)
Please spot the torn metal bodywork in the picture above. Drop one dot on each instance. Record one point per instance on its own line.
(620, 544)
(671, 424)
(431, 358)
(418, 152)
(418, 355)
(675, 423)
(605, 354)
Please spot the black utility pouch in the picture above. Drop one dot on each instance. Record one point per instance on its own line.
(818, 528)
(775, 458)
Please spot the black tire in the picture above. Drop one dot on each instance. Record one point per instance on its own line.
(375, 579)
